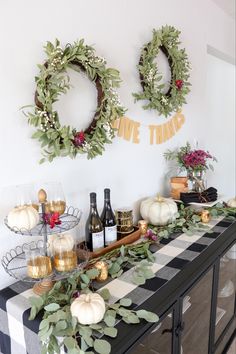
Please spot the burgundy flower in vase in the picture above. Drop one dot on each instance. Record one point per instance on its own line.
(79, 139)
(179, 84)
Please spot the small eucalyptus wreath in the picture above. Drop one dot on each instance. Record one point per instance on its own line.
(165, 39)
(52, 81)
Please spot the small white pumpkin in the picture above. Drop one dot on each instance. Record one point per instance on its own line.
(158, 211)
(232, 202)
(23, 217)
(62, 243)
(88, 308)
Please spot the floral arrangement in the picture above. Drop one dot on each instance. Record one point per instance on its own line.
(190, 160)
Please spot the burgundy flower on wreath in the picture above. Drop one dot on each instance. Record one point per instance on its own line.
(79, 139)
(179, 84)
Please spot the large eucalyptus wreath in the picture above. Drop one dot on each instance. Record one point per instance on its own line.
(52, 81)
(165, 39)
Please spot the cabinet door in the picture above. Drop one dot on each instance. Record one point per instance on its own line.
(226, 291)
(196, 309)
(158, 340)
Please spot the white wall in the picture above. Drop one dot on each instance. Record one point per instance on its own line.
(220, 93)
(118, 29)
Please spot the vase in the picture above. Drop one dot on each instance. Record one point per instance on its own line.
(197, 181)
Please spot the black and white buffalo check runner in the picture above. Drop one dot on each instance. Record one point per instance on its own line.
(18, 335)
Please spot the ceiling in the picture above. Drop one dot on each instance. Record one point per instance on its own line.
(228, 6)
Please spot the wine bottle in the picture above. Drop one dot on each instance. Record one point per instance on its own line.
(108, 220)
(94, 228)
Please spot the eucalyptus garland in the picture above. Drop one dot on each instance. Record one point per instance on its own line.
(52, 81)
(167, 40)
(189, 221)
(58, 328)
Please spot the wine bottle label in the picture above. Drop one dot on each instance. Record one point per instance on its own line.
(98, 240)
(110, 234)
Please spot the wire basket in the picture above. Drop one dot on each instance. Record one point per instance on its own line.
(14, 262)
(69, 220)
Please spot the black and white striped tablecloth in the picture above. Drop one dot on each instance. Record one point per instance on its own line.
(18, 335)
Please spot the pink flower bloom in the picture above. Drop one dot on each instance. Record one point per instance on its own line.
(196, 159)
(150, 235)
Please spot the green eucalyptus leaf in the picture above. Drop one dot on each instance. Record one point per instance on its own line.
(61, 325)
(95, 326)
(138, 279)
(110, 331)
(85, 278)
(102, 346)
(132, 318)
(105, 294)
(110, 321)
(70, 343)
(44, 335)
(44, 323)
(92, 273)
(126, 302)
(147, 315)
(114, 268)
(52, 307)
(33, 313)
(36, 301)
(85, 331)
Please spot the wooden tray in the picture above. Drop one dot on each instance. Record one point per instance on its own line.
(134, 236)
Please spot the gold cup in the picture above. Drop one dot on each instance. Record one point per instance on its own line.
(143, 227)
(39, 267)
(124, 218)
(103, 269)
(58, 206)
(65, 261)
(205, 216)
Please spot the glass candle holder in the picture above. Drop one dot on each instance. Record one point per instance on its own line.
(38, 264)
(64, 253)
(26, 195)
(55, 198)
(205, 216)
(143, 227)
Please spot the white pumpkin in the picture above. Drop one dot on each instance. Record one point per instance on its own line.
(88, 308)
(232, 202)
(62, 243)
(23, 217)
(158, 211)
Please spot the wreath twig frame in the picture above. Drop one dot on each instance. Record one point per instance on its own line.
(52, 81)
(165, 39)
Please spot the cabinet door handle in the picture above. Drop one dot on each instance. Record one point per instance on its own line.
(170, 330)
(179, 328)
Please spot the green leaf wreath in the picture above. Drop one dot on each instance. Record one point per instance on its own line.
(52, 81)
(165, 39)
